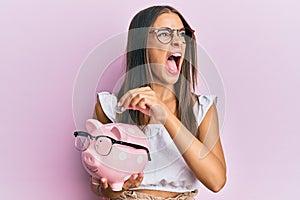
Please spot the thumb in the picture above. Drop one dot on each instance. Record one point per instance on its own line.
(104, 183)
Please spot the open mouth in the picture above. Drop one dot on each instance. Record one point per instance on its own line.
(173, 63)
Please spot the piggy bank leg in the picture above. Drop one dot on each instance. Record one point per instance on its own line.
(116, 186)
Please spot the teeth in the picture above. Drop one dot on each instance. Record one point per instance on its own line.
(176, 54)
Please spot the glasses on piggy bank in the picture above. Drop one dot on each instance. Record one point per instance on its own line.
(102, 143)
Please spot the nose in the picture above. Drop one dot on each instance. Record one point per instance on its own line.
(176, 40)
(88, 158)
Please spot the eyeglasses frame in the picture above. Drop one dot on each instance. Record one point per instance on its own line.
(187, 30)
(114, 141)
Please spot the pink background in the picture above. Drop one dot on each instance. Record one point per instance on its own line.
(254, 43)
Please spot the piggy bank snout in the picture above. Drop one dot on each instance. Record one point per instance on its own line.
(88, 158)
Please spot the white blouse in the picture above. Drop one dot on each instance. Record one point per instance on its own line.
(167, 169)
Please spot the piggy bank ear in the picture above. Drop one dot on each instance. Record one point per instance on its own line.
(116, 132)
(92, 124)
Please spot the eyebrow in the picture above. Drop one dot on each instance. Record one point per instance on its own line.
(168, 28)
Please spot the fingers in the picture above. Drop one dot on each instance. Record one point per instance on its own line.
(128, 96)
(137, 99)
(95, 184)
(139, 179)
(104, 183)
(98, 185)
(95, 181)
(146, 101)
(134, 181)
(101, 187)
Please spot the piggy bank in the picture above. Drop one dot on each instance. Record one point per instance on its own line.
(113, 151)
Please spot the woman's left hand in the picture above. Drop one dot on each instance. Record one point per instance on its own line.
(102, 188)
(146, 101)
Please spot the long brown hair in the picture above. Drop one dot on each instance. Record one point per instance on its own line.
(139, 75)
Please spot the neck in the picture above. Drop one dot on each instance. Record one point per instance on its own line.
(165, 93)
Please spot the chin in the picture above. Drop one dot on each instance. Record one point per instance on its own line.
(167, 80)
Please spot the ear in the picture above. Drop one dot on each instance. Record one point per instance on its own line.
(92, 124)
(116, 132)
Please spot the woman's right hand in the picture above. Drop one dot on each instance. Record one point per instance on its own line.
(146, 101)
(101, 188)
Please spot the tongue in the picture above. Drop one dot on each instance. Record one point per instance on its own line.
(172, 67)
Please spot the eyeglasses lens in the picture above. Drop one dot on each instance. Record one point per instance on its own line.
(82, 143)
(166, 35)
(103, 145)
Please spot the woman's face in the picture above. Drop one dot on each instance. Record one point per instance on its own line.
(166, 59)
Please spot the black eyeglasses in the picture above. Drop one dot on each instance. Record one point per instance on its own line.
(165, 34)
(103, 144)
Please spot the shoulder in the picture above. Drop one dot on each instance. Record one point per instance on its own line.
(105, 107)
(202, 105)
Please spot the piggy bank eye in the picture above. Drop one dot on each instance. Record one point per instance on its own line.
(103, 146)
(82, 143)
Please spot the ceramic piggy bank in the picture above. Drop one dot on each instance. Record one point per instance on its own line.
(113, 151)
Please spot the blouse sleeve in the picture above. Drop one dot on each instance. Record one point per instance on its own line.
(202, 106)
(108, 103)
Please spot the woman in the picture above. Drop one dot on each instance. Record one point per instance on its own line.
(182, 128)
